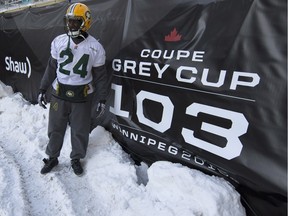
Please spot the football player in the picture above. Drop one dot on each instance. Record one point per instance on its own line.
(76, 66)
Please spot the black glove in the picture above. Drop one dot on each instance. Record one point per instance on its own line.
(42, 99)
(100, 108)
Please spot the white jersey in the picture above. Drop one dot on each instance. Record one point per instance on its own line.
(75, 64)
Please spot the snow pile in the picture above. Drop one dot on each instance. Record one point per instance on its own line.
(5, 90)
(111, 186)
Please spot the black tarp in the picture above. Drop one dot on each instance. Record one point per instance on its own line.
(202, 83)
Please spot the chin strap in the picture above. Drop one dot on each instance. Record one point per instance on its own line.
(81, 35)
(74, 35)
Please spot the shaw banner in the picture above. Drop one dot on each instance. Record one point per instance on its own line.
(201, 83)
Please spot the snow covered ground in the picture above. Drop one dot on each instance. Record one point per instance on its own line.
(111, 186)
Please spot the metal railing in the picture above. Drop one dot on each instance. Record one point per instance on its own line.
(15, 5)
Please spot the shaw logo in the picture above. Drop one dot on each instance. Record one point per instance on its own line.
(17, 66)
(173, 36)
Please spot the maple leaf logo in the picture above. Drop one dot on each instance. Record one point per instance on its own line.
(173, 36)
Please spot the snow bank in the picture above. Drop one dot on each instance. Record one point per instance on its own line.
(111, 186)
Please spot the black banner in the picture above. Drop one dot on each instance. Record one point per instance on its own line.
(202, 83)
(26, 37)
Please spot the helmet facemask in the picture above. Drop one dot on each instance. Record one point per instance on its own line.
(74, 26)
